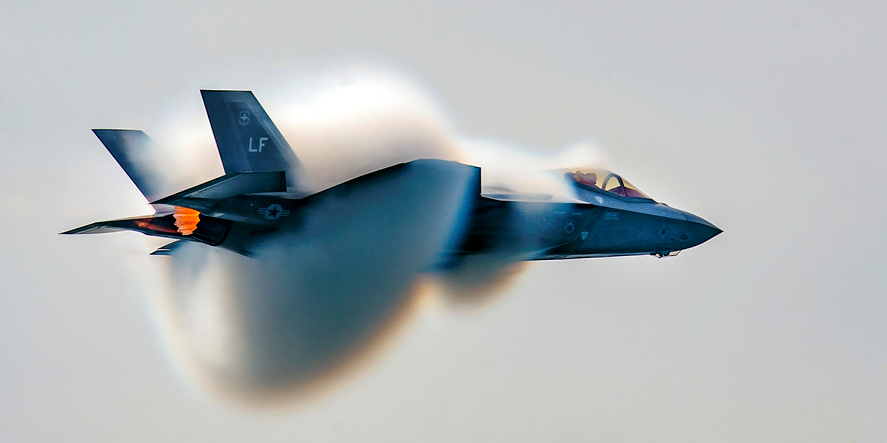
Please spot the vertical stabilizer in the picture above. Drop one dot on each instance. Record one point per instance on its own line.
(247, 139)
(141, 158)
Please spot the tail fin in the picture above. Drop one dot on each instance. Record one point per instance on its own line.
(140, 158)
(246, 137)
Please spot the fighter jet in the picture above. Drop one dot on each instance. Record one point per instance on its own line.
(261, 194)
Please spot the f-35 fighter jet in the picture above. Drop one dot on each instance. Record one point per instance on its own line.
(260, 195)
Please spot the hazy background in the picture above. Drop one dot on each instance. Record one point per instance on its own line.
(765, 118)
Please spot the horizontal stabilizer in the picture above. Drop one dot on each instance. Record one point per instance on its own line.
(210, 230)
(162, 225)
(227, 186)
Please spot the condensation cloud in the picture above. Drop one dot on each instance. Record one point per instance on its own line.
(317, 297)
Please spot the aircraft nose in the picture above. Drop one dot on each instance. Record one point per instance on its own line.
(701, 230)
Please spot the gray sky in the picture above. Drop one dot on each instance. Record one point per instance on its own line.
(765, 118)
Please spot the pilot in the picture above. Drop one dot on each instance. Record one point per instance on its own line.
(589, 179)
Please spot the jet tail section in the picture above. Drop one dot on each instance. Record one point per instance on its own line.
(140, 158)
(247, 139)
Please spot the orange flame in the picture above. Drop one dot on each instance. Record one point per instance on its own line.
(186, 219)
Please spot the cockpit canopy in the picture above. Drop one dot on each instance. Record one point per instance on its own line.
(604, 180)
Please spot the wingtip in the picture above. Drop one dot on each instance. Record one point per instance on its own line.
(76, 230)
